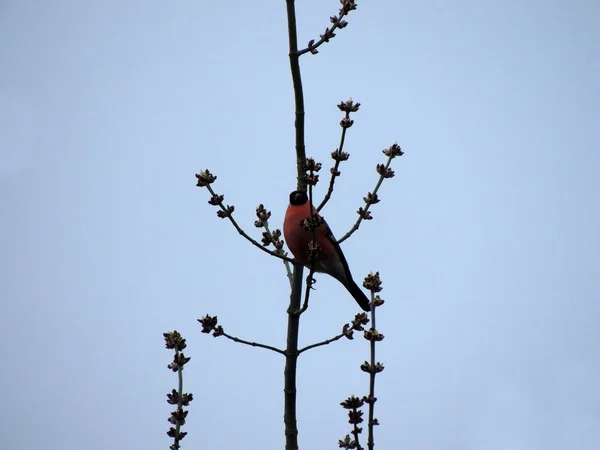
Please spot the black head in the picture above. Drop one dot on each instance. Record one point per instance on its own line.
(298, 198)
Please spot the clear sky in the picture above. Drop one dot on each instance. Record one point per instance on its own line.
(487, 239)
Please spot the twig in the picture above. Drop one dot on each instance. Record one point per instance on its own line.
(319, 344)
(282, 253)
(253, 344)
(372, 399)
(348, 330)
(175, 341)
(371, 198)
(338, 23)
(228, 213)
(339, 155)
(372, 283)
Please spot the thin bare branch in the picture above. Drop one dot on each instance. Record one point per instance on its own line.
(253, 344)
(339, 155)
(371, 198)
(282, 253)
(319, 344)
(228, 214)
(338, 22)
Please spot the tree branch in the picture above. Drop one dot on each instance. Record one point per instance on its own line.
(339, 155)
(371, 198)
(325, 342)
(227, 213)
(338, 23)
(253, 344)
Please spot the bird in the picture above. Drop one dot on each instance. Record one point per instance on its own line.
(330, 258)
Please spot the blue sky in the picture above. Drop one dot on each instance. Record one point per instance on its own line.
(487, 239)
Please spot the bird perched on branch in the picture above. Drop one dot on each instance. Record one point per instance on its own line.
(328, 258)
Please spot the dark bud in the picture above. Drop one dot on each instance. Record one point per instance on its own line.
(347, 6)
(218, 331)
(311, 165)
(393, 151)
(173, 340)
(384, 171)
(366, 367)
(342, 24)
(263, 216)
(378, 301)
(373, 335)
(327, 35)
(309, 225)
(347, 443)
(346, 122)
(366, 215)
(311, 179)
(173, 398)
(208, 323)
(372, 282)
(371, 199)
(227, 212)
(173, 433)
(348, 331)
(338, 155)
(333, 19)
(352, 402)
(216, 200)
(178, 417)
(205, 178)
(348, 106)
(355, 417)
(360, 320)
(369, 399)
(266, 239)
(179, 360)
(335, 172)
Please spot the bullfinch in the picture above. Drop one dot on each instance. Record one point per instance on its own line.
(330, 259)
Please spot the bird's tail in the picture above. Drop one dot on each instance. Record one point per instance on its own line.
(358, 294)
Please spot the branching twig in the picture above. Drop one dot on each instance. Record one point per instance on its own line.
(210, 325)
(339, 154)
(371, 198)
(337, 21)
(205, 179)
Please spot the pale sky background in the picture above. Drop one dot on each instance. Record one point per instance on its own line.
(487, 239)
